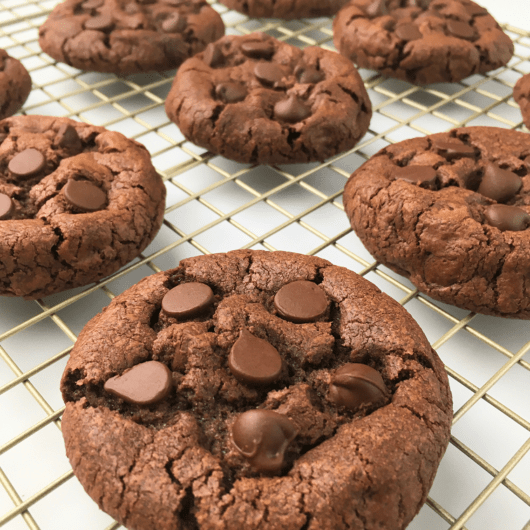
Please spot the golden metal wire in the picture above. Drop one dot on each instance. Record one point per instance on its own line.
(18, 35)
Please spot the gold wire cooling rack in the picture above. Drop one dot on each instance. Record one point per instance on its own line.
(216, 205)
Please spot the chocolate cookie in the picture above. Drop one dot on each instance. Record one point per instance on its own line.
(421, 41)
(256, 99)
(255, 390)
(129, 36)
(286, 9)
(521, 94)
(15, 85)
(451, 212)
(77, 202)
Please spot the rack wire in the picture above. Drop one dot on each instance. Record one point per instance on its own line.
(215, 205)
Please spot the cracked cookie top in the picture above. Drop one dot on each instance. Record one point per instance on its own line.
(421, 41)
(15, 85)
(286, 9)
(256, 99)
(77, 202)
(451, 211)
(129, 36)
(262, 405)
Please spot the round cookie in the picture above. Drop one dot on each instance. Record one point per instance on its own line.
(77, 202)
(256, 99)
(285, 9)
(15, 85)
(521, 94)
(421, 41)
(347, 433)
(451, 212)
(129, 36)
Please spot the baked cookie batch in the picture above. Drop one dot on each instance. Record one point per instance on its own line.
(255, 389)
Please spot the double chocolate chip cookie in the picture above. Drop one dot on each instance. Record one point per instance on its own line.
(129, 36)
(255, 390)
(256, 99)
(286, 9)
(521, 94)
(15, 85)
(77, 202)
(421, 41)
(451, 212)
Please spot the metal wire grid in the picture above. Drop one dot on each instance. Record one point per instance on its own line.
(215, 205)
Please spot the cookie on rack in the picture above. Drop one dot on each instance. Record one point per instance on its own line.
(255, 99)
(256, 390)
(451, 212)
(15, 85)
(421, 41)
(77, 202)
(285, 9)
(521, 94)
(129, 36)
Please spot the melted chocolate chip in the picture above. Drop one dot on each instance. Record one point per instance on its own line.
(254, 361)
(301, 301)
(230, 92)
(92, 4)
(499, 184)
(100, 23)
(453, 148)
(213, 56)
(175, 23)
(354, 385)
(408, 32)
(67, 137)
(377, 8)
(6, 206)
(269, 74)
(143, 384)
(291, 110)
(84, 195)
(506, 217)
(187, 300)
(308, 74)
(27, 163)
(424, 176)
(460, 29)
(475, 9)
(262, 437)
(258, 49)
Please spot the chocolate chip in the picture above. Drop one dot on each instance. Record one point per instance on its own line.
(301, 301)
(269, 74)
(354, 385)
(143, 384)
(506, 217)
(262, 437)
(460, 29)
(254, 361)
(424, 176)
(377, 8)
(92, 4)
(408, 32)
(67, 137)
(100, 23)
(424, 4)
(6, 206)
(230, 92)
(499, 184)
(308, 74)
(27, 163)
(84, 195)
(475, 9)
(175, 23)
(213, 56)
(453, 148)
(291, 110)
(187, 300)
(258, 49)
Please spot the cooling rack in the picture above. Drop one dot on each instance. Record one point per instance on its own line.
(216, 205)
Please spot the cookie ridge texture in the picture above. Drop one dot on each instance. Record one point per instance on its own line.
(176, 464)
